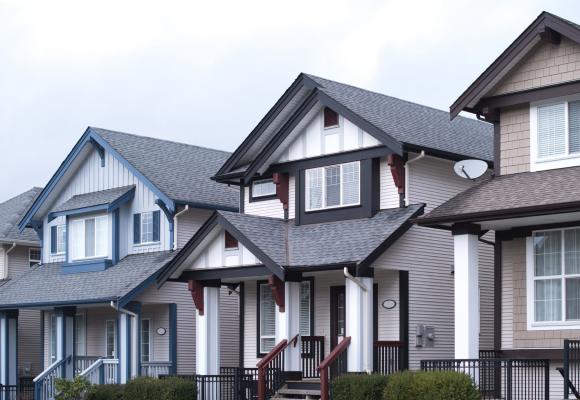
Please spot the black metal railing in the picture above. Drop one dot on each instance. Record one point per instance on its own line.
(17, 392)
(509, 379)
(390, 357)
(312, 354)
(571, 368)
(233, 383)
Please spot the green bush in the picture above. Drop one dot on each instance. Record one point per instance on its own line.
(432, 385)
(359, 387)
(72, 390)
(106, 392)
(160, 389)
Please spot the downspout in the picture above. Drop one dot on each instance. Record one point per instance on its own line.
(365, 290)
(175, 225)
(419, 157)
(5, 272)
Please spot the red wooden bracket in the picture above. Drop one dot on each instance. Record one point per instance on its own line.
(196, 289)
(398, 171)
(278, 291)
(282, 182)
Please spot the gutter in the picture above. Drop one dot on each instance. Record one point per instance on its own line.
(175, 225)
(5, 272)
(419, 157)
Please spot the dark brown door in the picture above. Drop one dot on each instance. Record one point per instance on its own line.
(337, 315)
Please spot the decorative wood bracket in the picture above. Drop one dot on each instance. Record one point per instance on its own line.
(100, 150)
(398, 171)
(196, 289)
(282, 182)
(549, 35)
(278, 291)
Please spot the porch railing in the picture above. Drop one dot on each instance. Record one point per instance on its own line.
(390, 357)
(83, 362)
(17, 392)
(509, 379)
(571, 368)
(155, 369)
(44, 384)
(332, 367)
(233, 383)
(271, 375)
(312, 354)
(101, 372)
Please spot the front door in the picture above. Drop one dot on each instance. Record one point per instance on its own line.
(337, 315)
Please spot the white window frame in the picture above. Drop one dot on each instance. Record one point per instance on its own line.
(530, 288)
(147, 242)
(324, 207)
(31, 260)
(561, 161)
(262, 181)
(265, 286)
(60, 240)
(149, 345)
(115, 350)
(53, 345)
(81, 351)
(107, 239)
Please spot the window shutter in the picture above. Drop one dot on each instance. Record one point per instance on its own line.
(551, 130)
(136, 228)
(156, 226)
(53, 239)
(574, 126)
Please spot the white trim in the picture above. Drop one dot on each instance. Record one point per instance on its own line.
(150, 339)
(323, 188)
(115, 350)
(254, 196)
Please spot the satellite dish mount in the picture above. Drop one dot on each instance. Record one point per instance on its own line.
(470, 169)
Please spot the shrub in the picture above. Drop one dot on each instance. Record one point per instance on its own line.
(160, 389)
(359, 387)
(72, 390)
(432, 385)
(106, 392)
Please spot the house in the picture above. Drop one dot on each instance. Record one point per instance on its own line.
(330, 269)
(530, 93)
(114, 213)
(19, 251)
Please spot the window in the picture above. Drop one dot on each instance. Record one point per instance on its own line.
(111, 338)
(263, 188)
(58, 239)
(80, 335)
(33, 257)
(554, 278)
(231, 242)
(146, 227)
(306, 308)
(333, 186)
(52, 338)
(89, 237)
(267, 328)
(330, 118)
(145, 340)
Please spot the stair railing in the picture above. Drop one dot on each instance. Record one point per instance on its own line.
(45, 383)
(332, 367)
(271, 368)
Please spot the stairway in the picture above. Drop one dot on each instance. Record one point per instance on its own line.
(306, 389)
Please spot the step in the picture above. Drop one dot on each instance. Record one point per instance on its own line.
(298, 392)
(304, 385)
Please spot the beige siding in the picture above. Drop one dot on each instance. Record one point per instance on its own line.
(547, 64)
(96, 325)
(188, 223)
(507, 298)
(515, 140)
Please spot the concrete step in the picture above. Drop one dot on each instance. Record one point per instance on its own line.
(298, 392)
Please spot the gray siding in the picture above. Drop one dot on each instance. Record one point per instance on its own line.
(188, 223)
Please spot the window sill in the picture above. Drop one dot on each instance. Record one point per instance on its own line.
(318, 210)
(553, 326)
(146, 244)
(555, 163)
(263, 198)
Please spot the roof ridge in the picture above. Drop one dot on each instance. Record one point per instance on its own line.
(397, 98)
(159, 139)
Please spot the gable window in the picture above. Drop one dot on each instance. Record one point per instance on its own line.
(58, 239)
(146, 227)
(231, 243)
(111, 338)
(89, 237)
(263, 188)
(333, 186)
(33, 257)
(554, 278)
(145, 340)
(330, 118)
(231, 250)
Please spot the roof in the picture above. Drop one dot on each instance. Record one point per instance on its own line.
(10, 213)
(102, 197)
(46, 284)
(511, 195)
(181, 171)
(511, 56)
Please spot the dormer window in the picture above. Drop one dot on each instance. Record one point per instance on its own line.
(58, 239)
(330, 118)
(89, 237)
(263, 188)
(333, 186)
(146, 227)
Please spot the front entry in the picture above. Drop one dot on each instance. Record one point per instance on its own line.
(337, 315)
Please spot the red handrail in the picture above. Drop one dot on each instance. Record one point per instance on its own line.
(264, 362)
(326, 363)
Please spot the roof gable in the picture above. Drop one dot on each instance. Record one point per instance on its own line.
(10, 213)
(547, 27)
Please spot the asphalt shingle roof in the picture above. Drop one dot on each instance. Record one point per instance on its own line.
(349, 241)
(10, 213)
(179, 170)
(412, 123)
(528, 190)
(93, 199)
(45, 284)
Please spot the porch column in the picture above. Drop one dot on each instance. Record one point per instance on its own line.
(8, 347)
(129, 354)
(359, 323)
(207, 341)
(466, 275)
(288, 325)
(65, 338)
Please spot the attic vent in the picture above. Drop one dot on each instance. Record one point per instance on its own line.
(330, 118)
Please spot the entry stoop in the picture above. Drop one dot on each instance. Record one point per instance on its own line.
(308, 389)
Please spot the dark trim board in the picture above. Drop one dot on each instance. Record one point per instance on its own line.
(248, 271)
(550, 354)
(258, 353)
(525, 231)
(497, 288)
(404, 314)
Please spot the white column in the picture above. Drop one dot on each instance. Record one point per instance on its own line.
(207, 346)
(65, 331)
(466, 296)
(288, 325)
(8, 347)
(126, 334)
(359, 324)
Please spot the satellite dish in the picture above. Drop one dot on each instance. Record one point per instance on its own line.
(470, 169)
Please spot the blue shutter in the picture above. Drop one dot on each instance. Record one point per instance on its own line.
(53, 239)
(136, 228)
(155, 226)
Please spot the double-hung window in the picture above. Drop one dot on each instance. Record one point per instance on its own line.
(145, 340)
(33, 256)
(263, 188)
(80, 335)
(58, 239)
(554, 278)
(332, 186)
(306, 308)
(90, 237)
(111, 338)
(146, 227)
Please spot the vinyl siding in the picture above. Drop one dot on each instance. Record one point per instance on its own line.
(188, 223)
(389, 196)
(265, 208)
(507, 298)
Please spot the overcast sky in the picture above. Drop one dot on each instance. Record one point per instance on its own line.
(205, 72)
